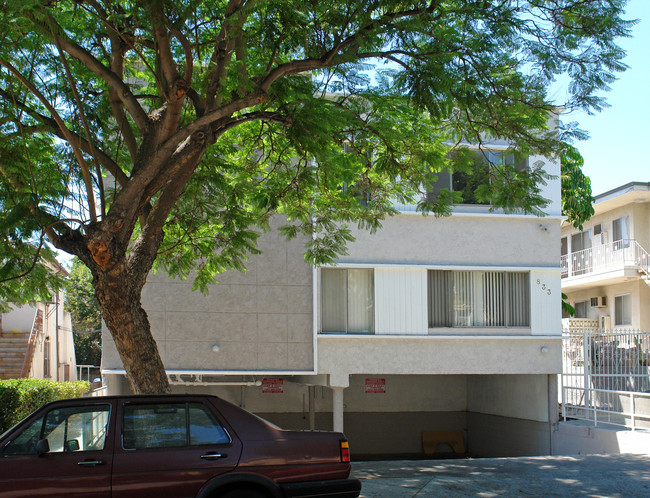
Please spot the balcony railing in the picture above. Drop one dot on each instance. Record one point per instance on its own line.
(616, 255)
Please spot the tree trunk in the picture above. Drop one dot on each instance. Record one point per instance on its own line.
(129, 325)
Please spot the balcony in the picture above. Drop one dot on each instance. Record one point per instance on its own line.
(616, 261)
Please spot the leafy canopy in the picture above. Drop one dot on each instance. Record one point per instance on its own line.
(577, 201)
(141, 130)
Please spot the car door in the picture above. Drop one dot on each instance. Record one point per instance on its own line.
(75, 461)
(170, 447)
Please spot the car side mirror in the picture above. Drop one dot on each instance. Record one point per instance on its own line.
(42, 447)
(72, 445)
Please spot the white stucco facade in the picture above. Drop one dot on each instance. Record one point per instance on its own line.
(260, 339)
(605, 263)
(49, 329)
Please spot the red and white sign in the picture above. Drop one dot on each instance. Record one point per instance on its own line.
(273, 385)
(375, 386)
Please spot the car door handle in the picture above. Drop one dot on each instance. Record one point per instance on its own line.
(213, 456)
(91, 463)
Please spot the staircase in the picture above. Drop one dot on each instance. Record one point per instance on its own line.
(13, 346)
(17, 349)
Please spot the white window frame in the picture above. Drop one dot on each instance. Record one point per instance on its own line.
(483, 310)
(620, 320)
(347, 303)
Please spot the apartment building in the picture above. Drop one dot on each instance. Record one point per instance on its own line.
(605, 265)
(36, 341)
(431, 327)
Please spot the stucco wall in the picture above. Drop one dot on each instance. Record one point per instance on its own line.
(459, 240)
(19, 318)
(343, 355)
(514, 396)
(254, 321)
(640, 297)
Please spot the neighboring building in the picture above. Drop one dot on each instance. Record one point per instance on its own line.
(605, 266)
(432, 324)
(36, 341)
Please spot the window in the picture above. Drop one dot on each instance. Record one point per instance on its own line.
(478, 299)
(581, 309)
(347, 301)
(581, 241)
(46, 357)
(66, 429)
(169, 425)
(623, 309)
(476, 175)
(621, 232)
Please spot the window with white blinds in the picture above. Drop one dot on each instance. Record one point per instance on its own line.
(347, 301)
(478, 299)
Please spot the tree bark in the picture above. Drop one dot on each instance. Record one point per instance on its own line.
(129, 325)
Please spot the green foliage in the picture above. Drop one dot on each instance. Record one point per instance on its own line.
(566, 307)
(20, 397)
(577, 201)
(88, 347)
(168, 133)
(80, 300)
(81, 303)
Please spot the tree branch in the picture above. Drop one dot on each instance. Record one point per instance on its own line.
(61, 125)
(109, 77)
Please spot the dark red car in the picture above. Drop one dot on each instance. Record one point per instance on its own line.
(167, 446)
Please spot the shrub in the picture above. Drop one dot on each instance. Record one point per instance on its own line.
(20, 397)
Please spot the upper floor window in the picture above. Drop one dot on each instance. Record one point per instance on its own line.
(621, 232)
(478, 299)
(347, 301)
(581, 241)
(623, 309)
(468, 181)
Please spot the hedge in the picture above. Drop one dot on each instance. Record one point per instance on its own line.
(20, 397)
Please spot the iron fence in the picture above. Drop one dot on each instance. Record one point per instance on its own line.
(606, 376)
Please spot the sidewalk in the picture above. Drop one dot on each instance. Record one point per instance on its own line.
(594, 475)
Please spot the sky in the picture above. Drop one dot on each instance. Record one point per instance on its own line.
(615, 153)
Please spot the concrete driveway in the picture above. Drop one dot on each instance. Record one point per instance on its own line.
(594, 475)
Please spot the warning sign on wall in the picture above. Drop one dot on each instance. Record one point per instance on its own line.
(272, 385)
(375, 386)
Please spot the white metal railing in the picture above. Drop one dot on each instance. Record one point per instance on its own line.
(606, 257)
(606, 376)
(87, 369)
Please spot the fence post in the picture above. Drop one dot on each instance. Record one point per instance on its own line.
(586, 369)
(633, 411)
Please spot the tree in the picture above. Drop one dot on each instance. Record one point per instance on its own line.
(86, 318)
(151, 132)
(577, 201)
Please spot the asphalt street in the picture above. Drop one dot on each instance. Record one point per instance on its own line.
(592, 475)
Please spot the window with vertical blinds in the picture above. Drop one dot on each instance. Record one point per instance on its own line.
(347, 301)
(478, 299)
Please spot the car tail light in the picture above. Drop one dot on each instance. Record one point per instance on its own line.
(345, 452)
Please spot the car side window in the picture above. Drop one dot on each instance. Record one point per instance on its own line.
(25, 442)
(76, 428)
(169, 425)
(204, 429)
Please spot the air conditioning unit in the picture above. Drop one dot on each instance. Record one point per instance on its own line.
(598, 302)
(605, 323)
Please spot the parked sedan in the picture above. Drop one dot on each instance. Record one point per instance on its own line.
(167, 446)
